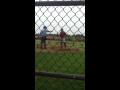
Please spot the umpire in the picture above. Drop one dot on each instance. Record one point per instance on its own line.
(43, 36)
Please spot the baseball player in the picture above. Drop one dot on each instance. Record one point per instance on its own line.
(43, 36)
(62, 38)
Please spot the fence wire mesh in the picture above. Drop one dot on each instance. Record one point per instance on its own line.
(66, 57)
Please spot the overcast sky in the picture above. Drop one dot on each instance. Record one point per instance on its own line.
(70, 18)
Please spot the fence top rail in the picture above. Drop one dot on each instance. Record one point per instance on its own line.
(60, 75)
(59, 3)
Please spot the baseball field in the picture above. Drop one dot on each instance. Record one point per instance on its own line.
(53, 59)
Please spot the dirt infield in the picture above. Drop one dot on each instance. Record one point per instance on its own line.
(57, 49)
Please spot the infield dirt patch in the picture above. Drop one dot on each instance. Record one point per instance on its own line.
(56, 48)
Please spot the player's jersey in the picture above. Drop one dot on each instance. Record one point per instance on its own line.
(62, 34)
(43, 32)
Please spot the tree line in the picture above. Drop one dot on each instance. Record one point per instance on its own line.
(67, 35)
(77, 37)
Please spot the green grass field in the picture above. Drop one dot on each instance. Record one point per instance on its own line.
(68, 62)
(46, 83)
(61, 62)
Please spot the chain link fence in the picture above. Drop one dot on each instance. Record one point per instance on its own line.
(59, 68)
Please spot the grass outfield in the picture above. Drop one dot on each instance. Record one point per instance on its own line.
(71, 63)
(46, 83)
(51, 42)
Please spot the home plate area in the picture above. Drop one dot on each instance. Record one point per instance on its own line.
(57, 48)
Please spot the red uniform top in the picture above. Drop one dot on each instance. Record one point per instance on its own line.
(62, 34)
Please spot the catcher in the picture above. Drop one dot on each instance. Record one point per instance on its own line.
(62, 38)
